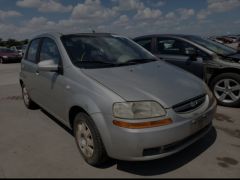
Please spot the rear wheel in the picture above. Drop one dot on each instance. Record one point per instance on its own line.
(226, 88)
(26, 98)
(88, 140)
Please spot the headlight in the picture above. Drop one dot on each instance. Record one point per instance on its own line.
(5, 57)
(138, 110)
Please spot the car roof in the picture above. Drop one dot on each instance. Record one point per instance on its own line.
(58, 34)
(165, 35)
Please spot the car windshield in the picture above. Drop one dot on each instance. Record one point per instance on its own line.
(104, 51)
(5, 50)
(213, 46)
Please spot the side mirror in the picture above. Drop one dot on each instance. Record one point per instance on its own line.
(48, 65)
(192, 53)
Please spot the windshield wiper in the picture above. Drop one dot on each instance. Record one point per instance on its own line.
(137, 61)
(96, 62)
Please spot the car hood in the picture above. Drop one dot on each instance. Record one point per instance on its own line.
(232, 58)
(157, 81)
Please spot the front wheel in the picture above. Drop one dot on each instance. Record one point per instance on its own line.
(88, 140)
(226, 88)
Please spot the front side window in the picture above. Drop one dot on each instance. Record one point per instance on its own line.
(32, 51)
(49, 51)
(101, 51)
(173, 46)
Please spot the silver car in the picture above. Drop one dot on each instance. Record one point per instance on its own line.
(120, 101)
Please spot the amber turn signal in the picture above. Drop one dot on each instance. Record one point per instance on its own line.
(143, 125)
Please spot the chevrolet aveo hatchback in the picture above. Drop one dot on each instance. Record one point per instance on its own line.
(118, 99)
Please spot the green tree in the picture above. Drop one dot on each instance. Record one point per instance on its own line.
(12, 42)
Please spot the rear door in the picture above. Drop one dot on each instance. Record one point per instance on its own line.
(29, 69)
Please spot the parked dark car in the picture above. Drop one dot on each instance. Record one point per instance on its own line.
(8, 55)
(20, 49)
(213, 62)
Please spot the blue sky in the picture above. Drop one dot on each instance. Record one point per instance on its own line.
(26, 18)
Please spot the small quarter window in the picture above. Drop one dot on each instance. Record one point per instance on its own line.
(32, 51)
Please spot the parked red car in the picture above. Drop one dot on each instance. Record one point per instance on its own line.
(8, 55)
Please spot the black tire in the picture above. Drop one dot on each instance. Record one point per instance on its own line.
(99, 153)
(217, 79)
(2, 61)
(29, 104)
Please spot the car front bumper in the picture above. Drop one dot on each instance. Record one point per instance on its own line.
(157, 142)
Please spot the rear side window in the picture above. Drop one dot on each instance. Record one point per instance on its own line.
(32, 51)
(146, 43)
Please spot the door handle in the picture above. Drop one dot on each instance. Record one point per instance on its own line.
(37, 73)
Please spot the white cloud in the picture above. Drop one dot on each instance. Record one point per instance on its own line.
(203, 14)
(123, 20)
(218, 6)
(127, 5)
(222, 5)
(237, 22)
(44, 5)
(36, 22)
(92, 9)
(185, 13)
(148, 13)
(170, 15)
(160, 3)
(8, 14)
(29, 3)
(126, 17)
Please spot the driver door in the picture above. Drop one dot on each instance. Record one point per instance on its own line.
(51, 85)
(177, 52)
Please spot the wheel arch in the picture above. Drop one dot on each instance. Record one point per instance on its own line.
(74, 110)
(217, 72)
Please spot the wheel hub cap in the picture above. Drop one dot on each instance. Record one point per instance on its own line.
(25, 96)
(85, 140)
(227, 90)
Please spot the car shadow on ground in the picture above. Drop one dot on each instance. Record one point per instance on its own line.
(160, 166)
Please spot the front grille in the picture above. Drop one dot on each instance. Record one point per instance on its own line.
(190, 104)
